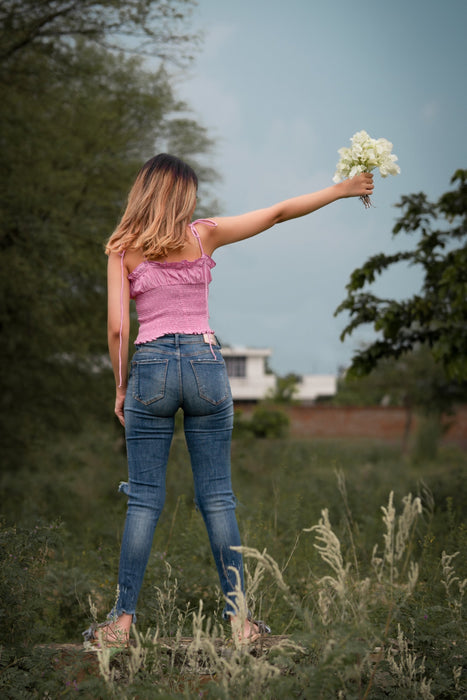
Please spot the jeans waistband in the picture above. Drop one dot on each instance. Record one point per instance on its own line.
(185, 338)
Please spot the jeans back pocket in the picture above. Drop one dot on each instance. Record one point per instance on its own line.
(212, 381)
(149, 380)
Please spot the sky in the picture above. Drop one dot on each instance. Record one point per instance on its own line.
(281, 86)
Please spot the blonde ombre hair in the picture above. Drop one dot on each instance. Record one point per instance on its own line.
(160, 205)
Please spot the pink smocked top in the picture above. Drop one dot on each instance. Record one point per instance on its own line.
(172, 297)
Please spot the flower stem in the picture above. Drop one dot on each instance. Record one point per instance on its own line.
(365, 198)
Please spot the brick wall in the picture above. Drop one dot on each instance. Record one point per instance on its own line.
(380, 423)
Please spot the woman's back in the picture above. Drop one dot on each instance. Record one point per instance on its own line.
(191, 251)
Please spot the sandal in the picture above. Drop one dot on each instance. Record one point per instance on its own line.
(114, 637)
(263, 628)
(253, 636)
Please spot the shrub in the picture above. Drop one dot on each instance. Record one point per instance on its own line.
(267, 421)
(24, 557)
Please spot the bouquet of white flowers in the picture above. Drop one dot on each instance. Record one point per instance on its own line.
(363, 156)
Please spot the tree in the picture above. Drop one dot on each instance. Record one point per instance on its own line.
(154, 26)
(76, 122)
(286, 388)
(435, 317)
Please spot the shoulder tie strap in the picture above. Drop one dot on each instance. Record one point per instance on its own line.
(208, 222)
(122, 255)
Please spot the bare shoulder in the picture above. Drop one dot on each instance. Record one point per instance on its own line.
(132, 259)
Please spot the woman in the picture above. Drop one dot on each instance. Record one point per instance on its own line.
(163, 261)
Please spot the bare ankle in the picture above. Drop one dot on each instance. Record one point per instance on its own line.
(124, 621)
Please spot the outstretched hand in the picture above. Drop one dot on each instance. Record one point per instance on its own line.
(358, 186)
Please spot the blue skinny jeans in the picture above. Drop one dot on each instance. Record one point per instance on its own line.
(178, 371)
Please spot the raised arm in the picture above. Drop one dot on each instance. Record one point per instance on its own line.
(237, 228)
(118, 327)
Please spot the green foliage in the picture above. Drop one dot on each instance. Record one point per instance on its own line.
(436, 316)
(286, 388)
(428, 438)
(354, 620)
(266, 421)
(24, 557)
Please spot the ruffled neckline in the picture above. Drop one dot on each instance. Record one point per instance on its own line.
(174, 265)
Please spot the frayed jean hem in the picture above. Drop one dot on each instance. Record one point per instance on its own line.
(115, 613)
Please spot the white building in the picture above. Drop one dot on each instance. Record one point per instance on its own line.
(313, 386)
(246, 368)
(250, 381)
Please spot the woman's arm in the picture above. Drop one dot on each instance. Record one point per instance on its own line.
(118, 327)
(236, 228)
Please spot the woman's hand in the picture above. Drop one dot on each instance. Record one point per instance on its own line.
(119, 402)
(357, 186)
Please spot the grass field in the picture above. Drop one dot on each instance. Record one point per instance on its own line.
(352, 551)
